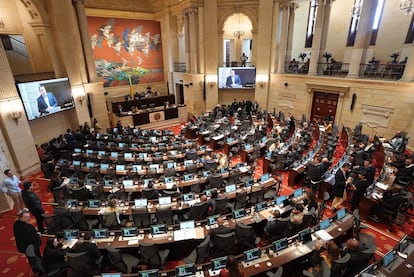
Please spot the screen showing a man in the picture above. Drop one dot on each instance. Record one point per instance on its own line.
(233, 80)
(46, 102)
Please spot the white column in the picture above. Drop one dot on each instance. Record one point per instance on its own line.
(283, 39)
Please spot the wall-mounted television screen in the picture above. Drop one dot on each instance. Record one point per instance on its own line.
(45, 97)
(237, 77)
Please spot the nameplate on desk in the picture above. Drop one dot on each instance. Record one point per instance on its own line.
(133, 242)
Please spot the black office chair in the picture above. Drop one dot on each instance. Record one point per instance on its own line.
(198, 211)
(78, 265)
(52, 223)
(124, 262)
(210, 165)
(151, 256)
(99, 193)
(164, 215)
(246, 237)
(256, 196)
(34, 261)
(338, 267)
(191, 154)
(141, 217)
(309, 218)
(200, 253)
(59, 193)
(241, 200)
(196, 187)
(149, 193)
(277, 273)
(224, 244)
(222, 206)
(216, 181)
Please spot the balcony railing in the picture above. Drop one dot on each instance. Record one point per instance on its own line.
(336, 69)
(388, 71)
(179, 67)
(295, 67)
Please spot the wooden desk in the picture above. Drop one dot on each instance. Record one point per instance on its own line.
(244, 154)
(294, 175)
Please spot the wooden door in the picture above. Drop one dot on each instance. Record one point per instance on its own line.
(324, 106)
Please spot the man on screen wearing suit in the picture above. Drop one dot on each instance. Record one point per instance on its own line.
(46, 101)
(233, 80)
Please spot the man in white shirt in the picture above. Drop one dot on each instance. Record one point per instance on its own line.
(11, 187)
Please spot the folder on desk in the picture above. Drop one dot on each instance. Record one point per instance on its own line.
(323, 235)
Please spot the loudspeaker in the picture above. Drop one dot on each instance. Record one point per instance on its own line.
(89, 105)
(354, 96)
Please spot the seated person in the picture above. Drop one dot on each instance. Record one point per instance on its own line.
(397, 141)
(93, 255)
(221, 229)
(53, 256)
(296, 216)
(64, 217)
(391, 201)
(275, 228)
(405, 172)
(231, 269)
(354, 249)
(111, 214)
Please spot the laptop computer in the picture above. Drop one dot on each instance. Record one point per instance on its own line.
(149, 273)
(280, 200)
(230, 188)
(115, 274)
(101, 233)
(189, 224)
(70, 234)
(239, 213)
(76, 163)
(129, 232)
(279, 245)
(388, 258)
(324, 224)
(211, 220)
(298, 193)
(77, 150)
(160, 229)
(72, 203)
(217, 265)
(114, 154)
(305, 235)
(188, 177)
(169, 180)
(264, 177)
(224, 170)
(94, 203)
(128, 183)
(185, 270)
(340, 214)
(73, 180)
(260, 206)
(104, 166)
(251, 255)
(120, 167)
(139, 203)
(249, 183)
(128, 155)
(165, 200)
(188, 197)
(108, 183)
(90, 164)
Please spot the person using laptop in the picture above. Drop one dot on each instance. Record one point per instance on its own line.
(231, 269)
(93, 255)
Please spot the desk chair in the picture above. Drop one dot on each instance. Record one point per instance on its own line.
(59, 193)
(200, 253)
(99, 193)
(141, 217)
(210, 165)
(150, 193)
(277, 273)
(309, 218)
(52, 223)
(124, 262)
(224, 244)
(34, 261)
(240, 201)
(222, 206)
(256, 196)
(191, 154)
(246, 237)
(78, 265)
(164, 215)
(80, 221)
(338, 267)
(198, 211)
(216, 181)
(169, 172)
(324, 272)
(196, 187)
(151, 256)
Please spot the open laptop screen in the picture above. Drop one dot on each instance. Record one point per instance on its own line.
(149, 273)
(388, 258)
(128, 183)
(305, 235)
(324, 224)
(298, 193)
(239, 213)
(264, 177)
(280, 244)
(94, 203)
(158, 229)
(218, 263)
(188, 197)
(340, 214)
(280, 199)
(230, 188)
(129, 232)
(211, 220)
(100, 233)
(165, 200)
(260, 206)
(115, 274)
(185, 270)
(252, 254)
(189, 224)
(139, 203)
(71, 234)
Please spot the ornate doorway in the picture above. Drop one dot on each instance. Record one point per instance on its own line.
(324, 106)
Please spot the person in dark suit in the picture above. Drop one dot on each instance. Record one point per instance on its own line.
(53, 256)
(233, 79)
(34, 205)
(341, 182)
(93, 254)
(359, 186)
(275, 228)
(354, 249)
(221, 229)
(46, 101)
(25, 234)
(314, 174)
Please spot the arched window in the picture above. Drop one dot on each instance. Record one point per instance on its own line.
(313, 9)
(410, 34)
(353, 28)
(377, 19)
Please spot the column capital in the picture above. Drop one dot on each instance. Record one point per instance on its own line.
(190, 11)
(78, 2)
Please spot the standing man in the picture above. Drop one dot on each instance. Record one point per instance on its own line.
(25, 234)
(34, 205)
(11, 187)
(359, 187)
(46, 101)
(243, 60)
(342, 179)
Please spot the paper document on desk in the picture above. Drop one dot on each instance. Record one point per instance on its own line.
(323, 235)
(114, 190)
(381, 186)
(133, 242)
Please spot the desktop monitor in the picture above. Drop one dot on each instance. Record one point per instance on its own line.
(185, 270)
(280, 245)
(114, 154)
(73, 180)
(340, 214)
(165, 200)
(206, 173)
(260, 206)
(188, 197)
(154, 167)
(115, 274)
(211, 220)
(149, 273)
(264, 177)
(76, 163)
(101, 153)
(251, 254)
(188, 163)
(94, 203)
(148, 181)
(71, 234)
(77, 150)
(324, 224)
(224, 170)
(120, 167)
(72, 203)
(121, 145)
(139, 203)
(137, 167)
(388, 258)
(230, 188)
(104, 166)
(249, 183)
(298, 193)
(189, 224)
(169, 180)
(128, 155)
(129, 231)
(218, 263)
(188, 177)
(90, 164)
(247, 147)
(108, 183)
(169, 165)
(239, 213)
(128, 183)
(89, 151)
(305, 235)
(100, 233)
(158, 229)
(280, 200)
